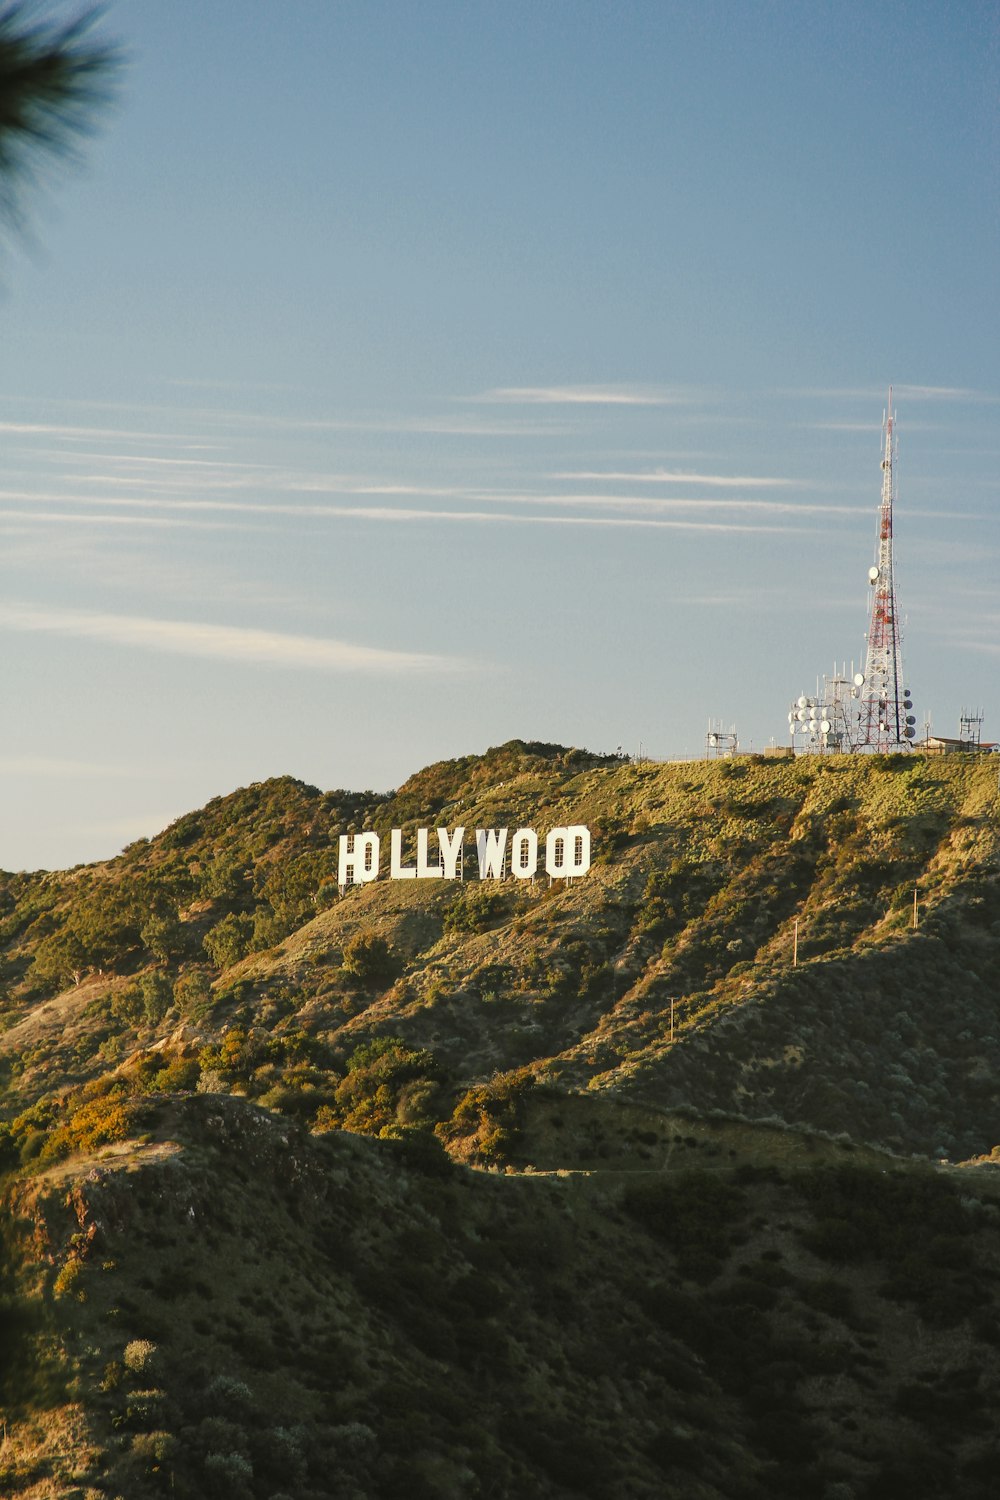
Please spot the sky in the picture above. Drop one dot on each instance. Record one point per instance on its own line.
(388, 381)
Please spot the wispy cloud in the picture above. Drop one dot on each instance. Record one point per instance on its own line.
(180, 510)
(842, 426)
(220, 642)
(703, 503)
(665, 476)
(941, 393)
(88, 434)
(578, 395)
(509, 518)
(899, 392)
(236, 385)
(92, 518)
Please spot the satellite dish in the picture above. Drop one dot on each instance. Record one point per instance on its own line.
(803, 702)
(713, 739)
(911, 719)
(826, 726)
(872, 574)
(791, 718)
(909, 731)
(859, 679)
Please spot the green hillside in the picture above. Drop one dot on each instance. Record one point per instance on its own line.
(222, 948)
(713, 1254)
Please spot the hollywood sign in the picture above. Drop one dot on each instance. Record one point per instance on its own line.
(567, 854)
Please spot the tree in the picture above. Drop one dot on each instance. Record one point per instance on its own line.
(229, 940)
(157, 996)
(164, 936)
(54, 80)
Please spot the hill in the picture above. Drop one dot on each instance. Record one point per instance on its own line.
(664, 976)
(246, 1248)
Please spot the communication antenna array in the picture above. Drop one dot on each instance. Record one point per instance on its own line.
(886, 720)
(970, 727)
(826, 722)
(721, 743)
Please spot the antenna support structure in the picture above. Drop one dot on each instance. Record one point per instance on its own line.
(886, 721)
(721, 743)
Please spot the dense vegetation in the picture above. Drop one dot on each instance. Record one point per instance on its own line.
(209, 1295)
(242, 1309)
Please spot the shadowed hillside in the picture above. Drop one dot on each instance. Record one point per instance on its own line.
(232, 1307)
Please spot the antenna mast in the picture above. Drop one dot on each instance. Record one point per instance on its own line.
(886, 720)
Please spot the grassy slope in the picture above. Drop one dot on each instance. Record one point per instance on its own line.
(702, 870)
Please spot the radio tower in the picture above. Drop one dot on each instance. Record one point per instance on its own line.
(886, 720)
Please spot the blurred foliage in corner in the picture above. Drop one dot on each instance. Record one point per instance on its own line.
(56, 78)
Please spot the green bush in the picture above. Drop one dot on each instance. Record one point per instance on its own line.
(229, 940)
(389, 1087)
(193, 994)
(477, 907)
(366, 956)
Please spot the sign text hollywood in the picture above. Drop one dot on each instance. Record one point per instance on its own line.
(567, 854)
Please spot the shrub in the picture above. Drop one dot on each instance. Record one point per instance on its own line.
(157, 996)
(489, 1116)
(229, 1474)
(476, 908)
(140, 1357)
(127, 1005)
(229, 1397)
(66, 1283)
(229, 940)
(164, 936)
(389, 1086)
(98, 1121)
(193, 994)
(367, 957)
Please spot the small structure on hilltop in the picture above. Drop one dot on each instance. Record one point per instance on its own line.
(721, 743)
(970, 738)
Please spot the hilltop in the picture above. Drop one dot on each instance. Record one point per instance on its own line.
(229, 925)
(248, 1245)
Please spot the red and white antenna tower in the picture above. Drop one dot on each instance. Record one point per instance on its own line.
(886, 720)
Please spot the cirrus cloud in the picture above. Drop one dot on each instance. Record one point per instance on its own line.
(233, 643)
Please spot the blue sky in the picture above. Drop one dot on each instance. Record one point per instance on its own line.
(395, 379)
